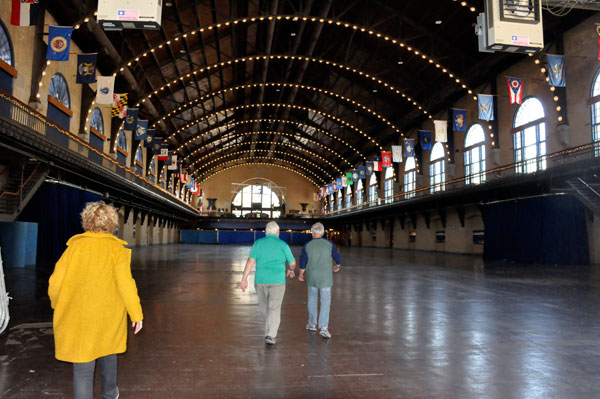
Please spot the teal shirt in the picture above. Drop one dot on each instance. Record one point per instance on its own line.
(270, 254)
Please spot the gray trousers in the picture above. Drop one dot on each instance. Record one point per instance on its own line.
(83, 378)
(270, 297)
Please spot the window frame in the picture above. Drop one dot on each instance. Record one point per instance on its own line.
(477, 177)
(532, 164)
(437, 170)
(68, 92)
(410, 178)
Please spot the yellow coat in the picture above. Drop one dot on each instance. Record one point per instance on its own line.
(91, 292)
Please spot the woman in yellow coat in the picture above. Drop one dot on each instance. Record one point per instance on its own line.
(91, 292)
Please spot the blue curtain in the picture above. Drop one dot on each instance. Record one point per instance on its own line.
(56, 208)
(6, 81)
(546, 230)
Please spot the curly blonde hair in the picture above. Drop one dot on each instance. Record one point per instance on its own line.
(98, 217)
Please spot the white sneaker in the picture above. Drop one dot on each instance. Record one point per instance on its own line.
(325, 333)
(311, 327)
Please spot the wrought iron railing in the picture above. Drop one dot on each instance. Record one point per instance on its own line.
(568, 156)
(22, 114)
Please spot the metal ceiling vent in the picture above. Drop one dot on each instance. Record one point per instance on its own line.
(511, 25)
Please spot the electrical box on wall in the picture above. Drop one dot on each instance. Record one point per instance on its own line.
(129, 14)
(511, 25)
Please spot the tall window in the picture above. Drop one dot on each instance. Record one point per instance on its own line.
(96, 120)
(359, 193)
(60, 90)
(475, 155)
(5, 46)
(530, 143)
(348, 203)
(437, 169)
(340, 195)
(331, 203)
(388, 184)
(122, 140)
(410, 177)
(256, 199)
(595, 110)
(152, 166)
(373, 189)
(139, 156)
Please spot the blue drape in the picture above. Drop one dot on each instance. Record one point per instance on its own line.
(56, 208)
(545, 230)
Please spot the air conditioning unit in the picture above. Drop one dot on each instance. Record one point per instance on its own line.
(129, 14)
(514, 25)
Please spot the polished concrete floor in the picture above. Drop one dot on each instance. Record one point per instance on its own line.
(404, 325)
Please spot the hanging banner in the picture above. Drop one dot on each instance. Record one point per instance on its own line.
(556, 70)
(119, 108)
(425, 139)
(441, 131)
(377, 164)
(397, 153)
(86, 68)
(24, 13)
(409, 148)
(362, 172)
(149, 142)
(131, 119)
(369, 166)
(104, 91)
(354, 177)
(485, 104)
(59, 42)
(515, 89)
(459, 120)
(386, 159)
(141, 130)
(163, 155)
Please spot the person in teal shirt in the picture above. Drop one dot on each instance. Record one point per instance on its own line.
(269, 254)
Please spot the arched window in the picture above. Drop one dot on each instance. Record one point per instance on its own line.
(122, 140)
(340, 197)
(331, 203)
(60, 90)
(152, 167)
(595, 110)
(530, 143)
(6, 53)
(410, 177)
(437, 169)
(139, 155)
(359, 192)
(372, 189)
(475, 155)
(259, 196)
(96, 120)
(388, 184)
(348, 203)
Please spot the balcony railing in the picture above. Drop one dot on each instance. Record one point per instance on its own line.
(568, 156)
(22, 114)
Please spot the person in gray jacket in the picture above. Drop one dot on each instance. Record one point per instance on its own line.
(317, 260)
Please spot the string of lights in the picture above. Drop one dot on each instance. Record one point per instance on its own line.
(260, 163)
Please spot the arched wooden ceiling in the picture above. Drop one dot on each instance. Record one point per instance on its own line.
(319, 79)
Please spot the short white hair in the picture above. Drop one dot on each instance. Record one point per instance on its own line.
(272, 228)
(318, 229)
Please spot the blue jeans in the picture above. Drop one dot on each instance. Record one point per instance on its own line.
(313, 294)
(83, 378)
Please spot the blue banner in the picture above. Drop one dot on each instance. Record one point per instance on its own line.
(556, 70)
(59, 42)
(131, 119)
(355, 175)
(149, 142)
(86, 68)
(486, 107)
(369, 166)
(409, 148)
(362, 172)
(338, 181)
(141, 130)
(459, 120)
(425, 139)
(329, 189)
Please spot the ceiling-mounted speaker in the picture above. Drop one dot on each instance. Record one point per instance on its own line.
(129, 14)
(514, 25)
